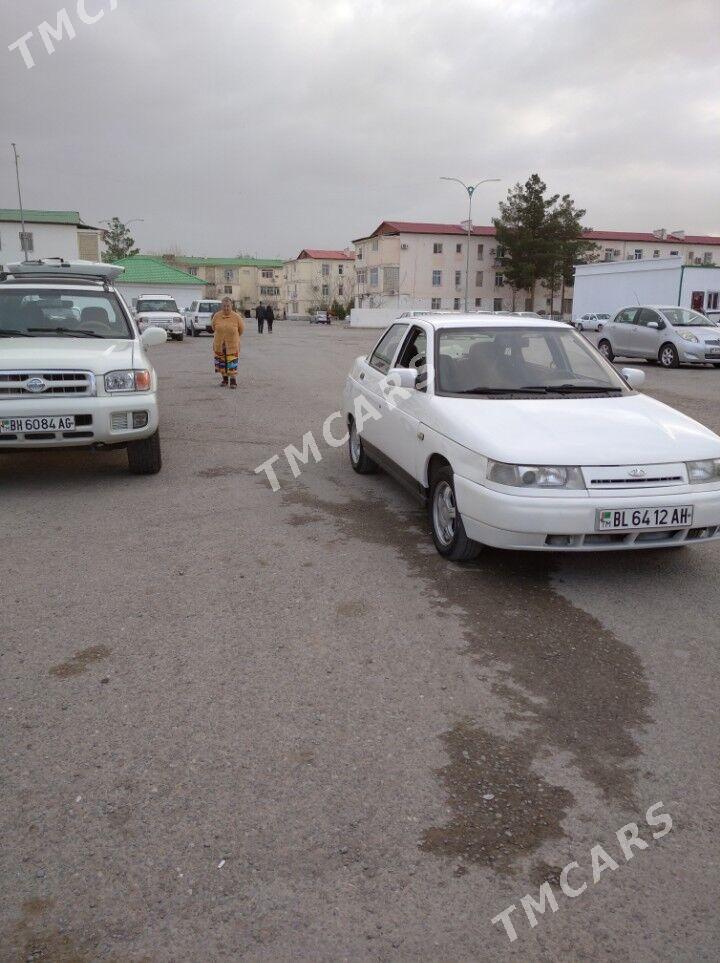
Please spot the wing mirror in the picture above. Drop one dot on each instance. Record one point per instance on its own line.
(403, 377)
(152, 336)
(635, 377)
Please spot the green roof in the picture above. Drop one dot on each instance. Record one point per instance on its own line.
(43, 217)
(228, 261)
(141, 269)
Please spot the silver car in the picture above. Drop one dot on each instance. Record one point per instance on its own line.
(669, 335)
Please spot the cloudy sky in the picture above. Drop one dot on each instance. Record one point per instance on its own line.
(265, 126)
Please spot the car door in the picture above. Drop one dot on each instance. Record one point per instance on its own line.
(405, 408)
(648, 340)
(371, 380)
(623, 333)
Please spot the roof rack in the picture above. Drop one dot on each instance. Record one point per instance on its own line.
(58, 269)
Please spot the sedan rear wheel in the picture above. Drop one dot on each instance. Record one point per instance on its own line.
(361, 463)
(668, 356)
(448, 530)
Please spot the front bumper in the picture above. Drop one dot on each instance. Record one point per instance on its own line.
(565, 523)
(98, 420)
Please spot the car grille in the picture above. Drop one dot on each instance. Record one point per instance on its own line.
(659, 537)
(14, 384)
(634, 476)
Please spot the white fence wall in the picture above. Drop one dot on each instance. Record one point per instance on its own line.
(373, 317)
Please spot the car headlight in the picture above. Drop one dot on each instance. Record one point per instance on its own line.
(688, 336)
(534, 476)
(701, 472)
(137, 379)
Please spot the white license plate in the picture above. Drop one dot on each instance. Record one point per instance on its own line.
(626, 519)
(21, 426)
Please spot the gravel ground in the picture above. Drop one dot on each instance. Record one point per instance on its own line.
(245, 724)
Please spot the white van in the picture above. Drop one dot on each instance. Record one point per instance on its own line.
(199, 315)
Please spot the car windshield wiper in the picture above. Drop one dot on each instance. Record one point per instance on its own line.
(14, 334)
(499, 391)
(69, 331)
(568, 389)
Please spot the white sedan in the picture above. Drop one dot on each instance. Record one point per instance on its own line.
(518, 434)
(591, 322)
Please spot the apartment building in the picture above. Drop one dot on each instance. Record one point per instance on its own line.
(423, 265)
(246, 280)
(47, 234)
(317, 279)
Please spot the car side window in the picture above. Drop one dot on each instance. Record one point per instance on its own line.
(645, 316)
(627, 316)
(413, 354)
(382, 356)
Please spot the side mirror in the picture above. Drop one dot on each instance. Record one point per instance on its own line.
(635, 377)
(654, 324)
(403, 377)
(152, 336)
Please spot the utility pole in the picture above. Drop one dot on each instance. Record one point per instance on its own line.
(23, 243)
(470, 188)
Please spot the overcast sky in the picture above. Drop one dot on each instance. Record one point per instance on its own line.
(265, 126)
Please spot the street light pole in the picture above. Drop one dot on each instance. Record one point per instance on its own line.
(23, 243)
(470, 188)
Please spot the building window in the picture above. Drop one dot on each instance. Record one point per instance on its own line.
(608, 254)
(359, 254)
(707, 257)
(497, 304)
(499, 280)
(478, 302)
(26, 242)
(340, 269)
(228, 275)
(458, 248)
(656, 253)
(674, 253)
(373, 277)
(528, 304)
(456, 304)
(325, 290)
(436, 304)
(437, 279)
(228, 289)
(437, 248)
(567, 306)
(269, 274)
(458, 278)
(481, 251)
(341, 290)
(193, 271)
(374, 245)
(272, 291)
(478, 279)
(637, 254)
(713, 300)
(326, 270)
(362, 276)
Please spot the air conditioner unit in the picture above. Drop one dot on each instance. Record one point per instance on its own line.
(617, 253)
(404, 247)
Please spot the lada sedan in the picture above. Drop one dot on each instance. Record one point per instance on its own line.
(517, 433)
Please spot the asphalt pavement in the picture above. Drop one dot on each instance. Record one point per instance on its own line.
(257, 725)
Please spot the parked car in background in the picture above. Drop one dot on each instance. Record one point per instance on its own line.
(517, 433)
(82, 379)
(319, 317)
(198, 317)
(667, 334)
(591, 322)
(160, 311)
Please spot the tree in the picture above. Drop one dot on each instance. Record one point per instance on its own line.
(118, 241)
(537, 236)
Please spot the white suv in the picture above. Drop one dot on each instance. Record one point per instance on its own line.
(198, 317)
(59, 387)
(160, 310)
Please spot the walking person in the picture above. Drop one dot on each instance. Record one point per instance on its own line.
(260, 316)
(228, 328)
(269, 317)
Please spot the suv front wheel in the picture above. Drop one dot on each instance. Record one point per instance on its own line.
(144, 457)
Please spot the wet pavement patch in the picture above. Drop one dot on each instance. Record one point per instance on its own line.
(80, 662)
(501, 809)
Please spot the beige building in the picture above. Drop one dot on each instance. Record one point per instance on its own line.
(317, 279)
(247, 280)
(422, 265)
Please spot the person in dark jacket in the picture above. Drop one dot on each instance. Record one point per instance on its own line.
(269, 317)
(260, 316)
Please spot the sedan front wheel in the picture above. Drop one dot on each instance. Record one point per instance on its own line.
(448, 530)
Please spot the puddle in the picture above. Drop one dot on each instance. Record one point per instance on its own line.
(501, 808)
(80, 662)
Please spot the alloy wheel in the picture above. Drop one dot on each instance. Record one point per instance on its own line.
(444, 513)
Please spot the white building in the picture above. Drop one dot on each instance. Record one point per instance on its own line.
(407, 265)
(316, 279)
(608, 286)
(47, 234)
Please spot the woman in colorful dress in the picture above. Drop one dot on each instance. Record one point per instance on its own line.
(228, 327)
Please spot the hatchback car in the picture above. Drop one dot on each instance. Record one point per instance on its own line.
(669, 335)
(517, 433)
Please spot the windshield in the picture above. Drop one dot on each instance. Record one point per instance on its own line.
(684, 317)
(157, 304)
(209, 307)
(64, 314)
(520, 361)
